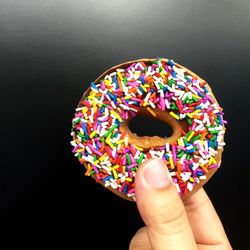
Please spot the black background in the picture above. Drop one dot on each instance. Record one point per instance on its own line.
(50, 51)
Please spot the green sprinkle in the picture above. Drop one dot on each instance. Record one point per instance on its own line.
(161, 85)
(128, 159)
(101, 139)
(171, 82)
(197, 137)
(189, 121)
(180, 154)
(110, 130)
(140, 159)
(79, 119)
(173, 106)
(92, 172)
(125, 80)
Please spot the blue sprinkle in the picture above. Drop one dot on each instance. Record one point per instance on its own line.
(166, 157)
(142, 80)
(96, 145)
(165, 89)
(197, 107)
(136, 103)
(210, 144)
(170, 62)
(85, 130)
(200, 94)
(140, 88)
(174, 74)
(115, 81)
(190, 151)
(116, 134)
(115, 97)
(108, 178)
(125, 189)
(181, 87)
(93, 85)
(199, 173)
(111, 96)
(152, 90)
(215, 142)
(205, 89)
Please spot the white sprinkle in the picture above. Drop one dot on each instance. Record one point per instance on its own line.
(189, 186)
(167, 147)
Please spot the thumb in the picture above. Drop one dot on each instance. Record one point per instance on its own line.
(161, 208)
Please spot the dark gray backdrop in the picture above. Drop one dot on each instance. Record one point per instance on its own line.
(51, 50)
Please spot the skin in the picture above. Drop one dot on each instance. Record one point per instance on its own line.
(171, 223)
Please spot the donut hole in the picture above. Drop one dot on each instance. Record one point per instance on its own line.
(143, 125)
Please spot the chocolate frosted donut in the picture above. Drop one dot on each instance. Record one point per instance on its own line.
(162, 89)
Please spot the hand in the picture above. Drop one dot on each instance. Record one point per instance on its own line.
(171, 223)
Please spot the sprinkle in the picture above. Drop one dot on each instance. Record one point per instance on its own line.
(151, 112)
(174, 115)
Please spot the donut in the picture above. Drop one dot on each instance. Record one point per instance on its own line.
(162, 89)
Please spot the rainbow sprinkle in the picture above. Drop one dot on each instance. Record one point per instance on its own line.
(100, 144)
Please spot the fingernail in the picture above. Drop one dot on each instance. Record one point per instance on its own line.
(155, 174)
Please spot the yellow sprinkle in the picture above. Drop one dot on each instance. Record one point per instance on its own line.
(190, 136)
(138, 73)
(115, 173)
(116, 115)
(120, 141)
(171, 162)
(84, 110)
(116, 166)
(174, 115)
(144, 104)
(141, 149)
(93, 134)
(127, 97)
(107, 82)
(119, 75)
(123, 169)
(146, 85)
(80, 149)
(196, 112)
(196, 96)
(92, 95)
(143, 88)
(129, 179)
(189, 115)
(212, 160)
(191, 179)
(119, 100)
(110, 144)
(102, 157)
(181, 143)
(119, 109)
(96, 162)
(151, 112)
(162, 75)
